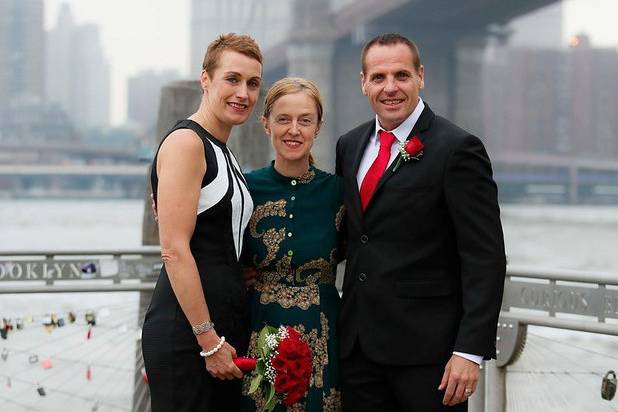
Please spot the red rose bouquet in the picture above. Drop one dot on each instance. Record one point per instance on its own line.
(283, 367)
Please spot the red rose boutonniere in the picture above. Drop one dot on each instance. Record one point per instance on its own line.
(410, 149)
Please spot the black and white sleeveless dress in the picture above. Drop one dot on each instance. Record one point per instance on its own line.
(177, 375)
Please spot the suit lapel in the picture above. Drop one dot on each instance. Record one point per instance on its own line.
(358, 156)
(422, 125)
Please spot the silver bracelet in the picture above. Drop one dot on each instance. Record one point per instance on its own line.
(213, 350)
(202, 327)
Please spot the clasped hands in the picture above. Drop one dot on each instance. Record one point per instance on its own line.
(220, 364)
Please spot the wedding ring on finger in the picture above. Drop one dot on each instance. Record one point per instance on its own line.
(468, 391)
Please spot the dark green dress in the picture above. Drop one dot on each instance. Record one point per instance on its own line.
(293, 241)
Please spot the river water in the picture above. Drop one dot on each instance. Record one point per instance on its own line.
(569, 237)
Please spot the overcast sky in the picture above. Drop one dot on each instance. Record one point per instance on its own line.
(154, 34)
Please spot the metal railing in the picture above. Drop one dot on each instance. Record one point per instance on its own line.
(532, 296)
(65, 271)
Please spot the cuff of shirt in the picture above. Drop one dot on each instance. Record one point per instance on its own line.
(474, 358)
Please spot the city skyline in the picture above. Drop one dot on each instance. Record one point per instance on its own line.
(160, 35)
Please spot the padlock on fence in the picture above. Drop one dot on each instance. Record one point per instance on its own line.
(608, 386)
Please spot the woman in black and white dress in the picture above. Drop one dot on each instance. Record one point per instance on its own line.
(198, 311)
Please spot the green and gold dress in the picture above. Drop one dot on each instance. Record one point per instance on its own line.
(293, 241)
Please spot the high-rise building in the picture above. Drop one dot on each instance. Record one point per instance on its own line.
(522, 100)
(558, 102)
(59, 50)
(78, 74)
(592, 77)
(269, 25)
(21, 51)
(541, 29)
(144, 90)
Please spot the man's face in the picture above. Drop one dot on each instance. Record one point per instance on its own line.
(391, 83)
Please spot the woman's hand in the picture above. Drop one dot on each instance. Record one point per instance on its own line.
(250, 276)
(153, 205)
(220, 364)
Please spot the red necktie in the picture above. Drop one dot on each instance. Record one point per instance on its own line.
(377, 168)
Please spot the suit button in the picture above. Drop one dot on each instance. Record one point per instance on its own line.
(364, 239)
(362, 277)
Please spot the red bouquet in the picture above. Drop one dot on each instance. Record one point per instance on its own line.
(283, 367)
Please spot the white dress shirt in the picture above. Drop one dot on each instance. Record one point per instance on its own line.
(401, 133)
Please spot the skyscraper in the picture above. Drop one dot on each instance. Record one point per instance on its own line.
(21, 51)
(556, 102)
(144, 90)
(541, 29)
(267, 24)
(78, 74)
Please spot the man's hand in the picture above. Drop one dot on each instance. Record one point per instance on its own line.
(154, 208)
(460, 379)
(250, 276)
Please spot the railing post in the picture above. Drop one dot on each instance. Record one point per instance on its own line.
(141, 392)
(476, 403)
(496, 387)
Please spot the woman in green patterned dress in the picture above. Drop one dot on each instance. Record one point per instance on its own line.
(293, 241)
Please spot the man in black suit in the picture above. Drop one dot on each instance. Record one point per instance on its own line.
(425, 255)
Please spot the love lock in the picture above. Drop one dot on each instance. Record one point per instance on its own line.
(608, 386)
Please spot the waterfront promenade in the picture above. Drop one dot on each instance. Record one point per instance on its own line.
(558, 370)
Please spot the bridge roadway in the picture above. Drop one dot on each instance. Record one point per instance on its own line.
(81, 149)
(74, 170)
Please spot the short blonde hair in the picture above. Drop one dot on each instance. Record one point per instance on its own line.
(240, 43)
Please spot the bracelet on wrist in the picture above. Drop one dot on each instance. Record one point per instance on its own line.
(214, 350)
(202, 327)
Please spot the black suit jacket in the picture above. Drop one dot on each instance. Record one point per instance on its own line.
(425, 262)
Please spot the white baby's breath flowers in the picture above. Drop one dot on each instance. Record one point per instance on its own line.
(282, 333)
(272, 341)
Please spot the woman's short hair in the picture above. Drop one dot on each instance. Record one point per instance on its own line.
(240, 43)
(291, 85)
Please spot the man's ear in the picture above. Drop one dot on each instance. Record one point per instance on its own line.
(362, 80)
(421, 74)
